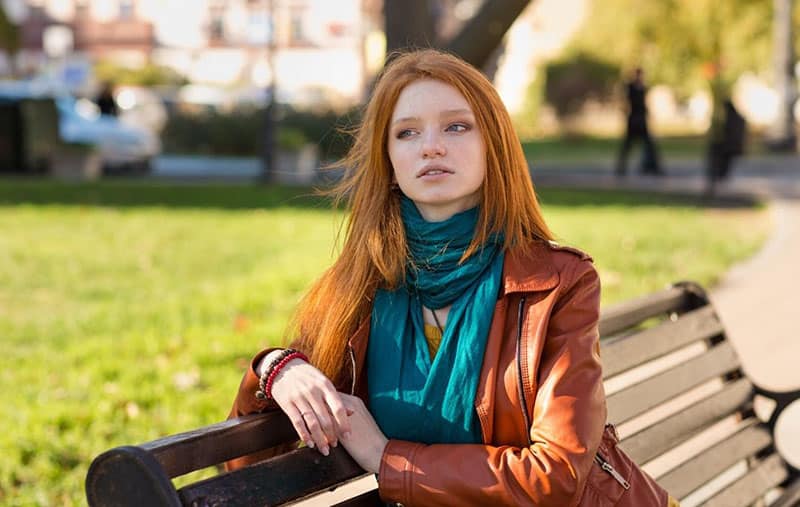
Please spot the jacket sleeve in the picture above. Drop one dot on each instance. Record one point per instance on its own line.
(566, 425)
(246, 402)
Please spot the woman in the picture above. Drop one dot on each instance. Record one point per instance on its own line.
(469, 335)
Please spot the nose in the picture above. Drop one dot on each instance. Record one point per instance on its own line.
(432, 145)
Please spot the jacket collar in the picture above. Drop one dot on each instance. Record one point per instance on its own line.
(529, 268)
(526, 269)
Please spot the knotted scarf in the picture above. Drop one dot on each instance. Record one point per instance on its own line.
(411, 397)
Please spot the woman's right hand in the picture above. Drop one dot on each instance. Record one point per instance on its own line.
(312, 404)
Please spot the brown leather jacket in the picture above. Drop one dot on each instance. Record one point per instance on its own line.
(540, 397)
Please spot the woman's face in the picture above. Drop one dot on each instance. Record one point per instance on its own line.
(436, 150)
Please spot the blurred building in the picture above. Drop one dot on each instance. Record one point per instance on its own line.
(319, 50)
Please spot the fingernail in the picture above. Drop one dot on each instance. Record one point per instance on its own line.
(310, 444)
(334, 443)
(325, 451)
(346, 434)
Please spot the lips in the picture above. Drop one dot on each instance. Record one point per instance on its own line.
(433, 170)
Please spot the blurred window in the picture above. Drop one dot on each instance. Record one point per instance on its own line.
(81, 8)
(126, 9)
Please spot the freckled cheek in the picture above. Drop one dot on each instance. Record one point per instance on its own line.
(402, 164)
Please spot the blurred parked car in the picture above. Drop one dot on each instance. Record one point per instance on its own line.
(123, 147)
(142, 107)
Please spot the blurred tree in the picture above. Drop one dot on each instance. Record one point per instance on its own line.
(570, 81)
(682, 43)
(147, 75)
(484, 32)
(412, 23)
(9, 37)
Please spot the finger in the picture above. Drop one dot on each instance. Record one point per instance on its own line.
(325, 419)
(299, 424)
(309, 417)
(339, 412)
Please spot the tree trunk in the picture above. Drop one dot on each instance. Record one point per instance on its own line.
(408, 24)
(484, 32)
(782, 134)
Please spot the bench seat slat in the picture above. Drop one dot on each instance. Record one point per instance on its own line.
(666, 434)
(699, 470)
(285, 478)
(627, 314)
(366, 499)
(766, 475)
(194, 450)
(668, 384)
(630, 351)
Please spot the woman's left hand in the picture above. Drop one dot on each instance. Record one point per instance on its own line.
(366, 442)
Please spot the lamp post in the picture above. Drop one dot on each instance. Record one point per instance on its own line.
(782, 134)
(270, 128)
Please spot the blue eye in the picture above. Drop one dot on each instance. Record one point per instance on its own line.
(457, 127)
(404, 133)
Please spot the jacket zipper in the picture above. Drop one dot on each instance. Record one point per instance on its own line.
(353, 366)
(606, 466)
(524, 403)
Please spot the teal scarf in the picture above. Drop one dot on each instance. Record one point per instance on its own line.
(410, 397)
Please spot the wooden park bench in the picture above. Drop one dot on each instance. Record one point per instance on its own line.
(677, 393)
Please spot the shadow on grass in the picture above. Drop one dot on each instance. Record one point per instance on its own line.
(141, 193)
(577, 197)
(138, 193)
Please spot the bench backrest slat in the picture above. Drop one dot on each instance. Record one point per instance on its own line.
(198, 449)
(667, 433)
(624, 315)
(747, 441)
(668, 384)
(752, 485)
(790, 496)
(282, 479)
(626, 352)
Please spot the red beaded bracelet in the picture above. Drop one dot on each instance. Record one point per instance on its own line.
(265, 391)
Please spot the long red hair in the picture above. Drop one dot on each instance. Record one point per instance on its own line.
(374, 251)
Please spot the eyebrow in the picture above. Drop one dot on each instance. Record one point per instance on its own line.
(448, 112)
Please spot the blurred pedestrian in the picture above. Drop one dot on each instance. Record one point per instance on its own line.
(726, 142)
(105, 99)
(637, 128)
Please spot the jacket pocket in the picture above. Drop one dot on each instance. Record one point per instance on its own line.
(615, 480)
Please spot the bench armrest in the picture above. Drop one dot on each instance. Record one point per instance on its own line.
(140, 475)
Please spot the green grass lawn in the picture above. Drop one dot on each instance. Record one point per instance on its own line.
(128, 311)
